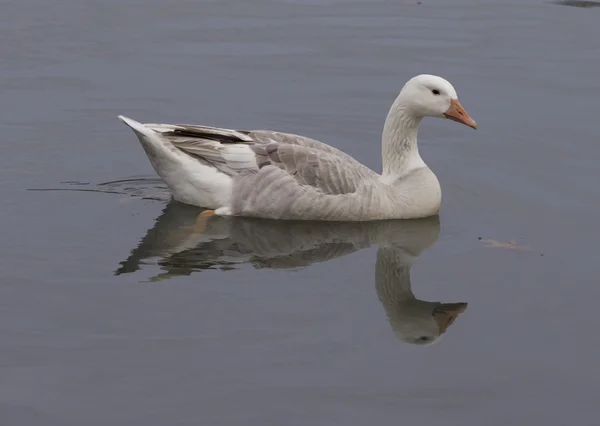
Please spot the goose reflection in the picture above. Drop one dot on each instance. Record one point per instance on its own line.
(182, 242)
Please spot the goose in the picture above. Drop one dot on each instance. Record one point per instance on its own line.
(275, 175)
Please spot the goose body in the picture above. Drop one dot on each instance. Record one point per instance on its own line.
(275, 175)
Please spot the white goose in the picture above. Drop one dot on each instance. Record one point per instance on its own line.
(276, 175)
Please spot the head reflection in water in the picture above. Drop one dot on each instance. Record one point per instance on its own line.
(186, 242)
(413, 321)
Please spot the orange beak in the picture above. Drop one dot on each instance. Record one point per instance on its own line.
(456, 112)
(446, 313)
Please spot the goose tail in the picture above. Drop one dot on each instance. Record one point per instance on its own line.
(138, 128)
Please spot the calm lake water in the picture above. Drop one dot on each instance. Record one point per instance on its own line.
(114, 311)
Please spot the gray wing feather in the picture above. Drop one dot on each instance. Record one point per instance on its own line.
(325, 171)
(198, 140)
(302, 184)
(281, 175)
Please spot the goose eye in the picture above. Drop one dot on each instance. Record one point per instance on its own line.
(435, 91)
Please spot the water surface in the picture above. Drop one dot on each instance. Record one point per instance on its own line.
(115, 310)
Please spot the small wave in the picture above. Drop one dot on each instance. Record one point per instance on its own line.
(146, 188)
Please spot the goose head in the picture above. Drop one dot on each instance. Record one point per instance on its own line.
(432, 96)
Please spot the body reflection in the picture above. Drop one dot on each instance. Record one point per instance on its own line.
(184, 242)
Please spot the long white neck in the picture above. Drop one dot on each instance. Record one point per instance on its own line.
(400, 153)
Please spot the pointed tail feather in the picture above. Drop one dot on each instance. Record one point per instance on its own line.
(152, 142)
(138, 128)
(160, 150)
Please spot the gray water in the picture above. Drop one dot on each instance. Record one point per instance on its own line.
(114, 310)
